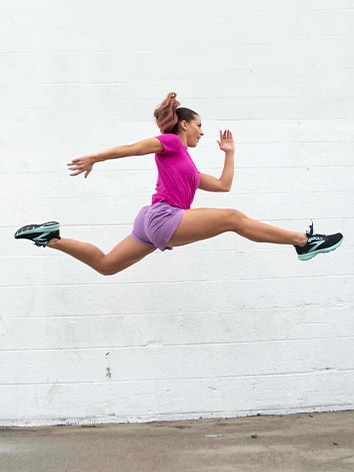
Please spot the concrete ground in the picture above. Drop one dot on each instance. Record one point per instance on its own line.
(291, 443)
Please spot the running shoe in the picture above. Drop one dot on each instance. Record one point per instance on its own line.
(39, 234)
(317, 244)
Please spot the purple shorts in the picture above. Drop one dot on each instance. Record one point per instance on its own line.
(154, 225)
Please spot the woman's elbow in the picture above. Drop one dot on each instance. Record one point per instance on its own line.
(225, 188)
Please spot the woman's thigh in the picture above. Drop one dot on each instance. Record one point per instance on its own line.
(204, 223)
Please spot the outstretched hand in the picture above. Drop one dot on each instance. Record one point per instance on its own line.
(226, 142)
(81, 164)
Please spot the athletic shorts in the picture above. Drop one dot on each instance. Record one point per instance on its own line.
(154, 225)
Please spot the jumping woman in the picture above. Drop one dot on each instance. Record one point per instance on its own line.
(169, 220)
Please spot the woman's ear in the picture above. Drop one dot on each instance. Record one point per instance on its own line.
(183, 125)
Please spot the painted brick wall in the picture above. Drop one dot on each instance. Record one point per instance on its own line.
(224, 327)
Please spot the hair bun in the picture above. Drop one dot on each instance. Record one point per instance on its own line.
(165, 113)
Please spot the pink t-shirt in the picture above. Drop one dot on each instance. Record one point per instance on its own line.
(178, 178)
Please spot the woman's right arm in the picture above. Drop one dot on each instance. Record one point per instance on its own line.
(85, 163)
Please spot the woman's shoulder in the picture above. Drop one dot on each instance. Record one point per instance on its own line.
(169, 137)
(170, 142)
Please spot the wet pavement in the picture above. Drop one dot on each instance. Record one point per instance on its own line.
(291, 443)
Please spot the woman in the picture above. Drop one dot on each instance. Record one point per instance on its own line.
(169, 221)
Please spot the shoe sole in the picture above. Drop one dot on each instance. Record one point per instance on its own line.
(49, 227)
(308, 256)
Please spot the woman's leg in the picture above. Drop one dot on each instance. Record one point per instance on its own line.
(126, 253)
(204, 223)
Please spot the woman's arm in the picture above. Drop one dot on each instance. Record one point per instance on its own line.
(85, 163)
(224, 182)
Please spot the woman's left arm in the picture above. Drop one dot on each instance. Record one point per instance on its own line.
(224, 182)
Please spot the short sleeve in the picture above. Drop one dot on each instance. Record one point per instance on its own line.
(171, 144)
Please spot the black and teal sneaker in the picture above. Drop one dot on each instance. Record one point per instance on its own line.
(317, 244)
(39, 234)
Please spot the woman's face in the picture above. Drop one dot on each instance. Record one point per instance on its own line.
(193, 131)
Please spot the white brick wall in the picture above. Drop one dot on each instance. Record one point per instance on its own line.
(224, 327)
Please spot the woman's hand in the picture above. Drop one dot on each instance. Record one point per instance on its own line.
(81, 164)
(226, 142)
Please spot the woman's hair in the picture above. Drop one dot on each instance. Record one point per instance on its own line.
(169, 114)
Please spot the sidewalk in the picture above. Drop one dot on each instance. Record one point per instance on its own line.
(292, 443)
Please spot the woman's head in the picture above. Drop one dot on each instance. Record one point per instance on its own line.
(169, 115)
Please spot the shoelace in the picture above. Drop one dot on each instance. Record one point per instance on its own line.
(314, 237)
(310, 233)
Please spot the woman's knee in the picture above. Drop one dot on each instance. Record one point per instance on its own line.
(111, 266)
(235, 218)
(107, 272)
(105, 267)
